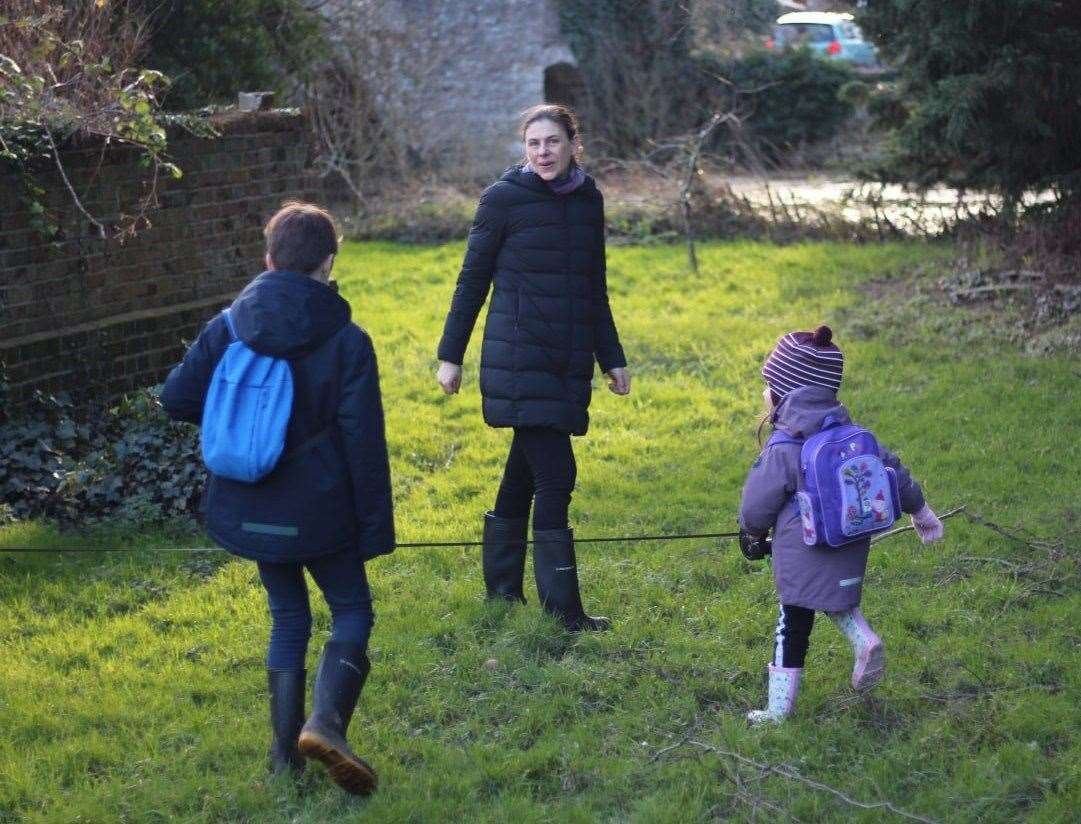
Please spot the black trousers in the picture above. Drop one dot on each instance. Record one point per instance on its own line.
(540, 466)
(793, 636)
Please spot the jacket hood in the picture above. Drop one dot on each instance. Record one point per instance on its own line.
(531, 180)
(287, 315)
(802, 411)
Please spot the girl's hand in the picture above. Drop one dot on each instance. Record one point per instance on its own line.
(927, 525)
(449, 376)
(619, 380)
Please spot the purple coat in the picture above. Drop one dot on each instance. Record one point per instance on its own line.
(818, 577)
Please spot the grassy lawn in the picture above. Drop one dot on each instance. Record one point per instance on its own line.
(132, 687)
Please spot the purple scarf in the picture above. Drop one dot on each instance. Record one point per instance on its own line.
(574, 178)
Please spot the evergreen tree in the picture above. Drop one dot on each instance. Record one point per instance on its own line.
(988, 95)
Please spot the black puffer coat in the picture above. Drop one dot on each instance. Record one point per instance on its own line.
(549, 316)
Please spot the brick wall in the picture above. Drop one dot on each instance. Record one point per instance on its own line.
(97, 317)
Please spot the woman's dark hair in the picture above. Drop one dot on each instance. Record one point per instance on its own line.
(300, 236)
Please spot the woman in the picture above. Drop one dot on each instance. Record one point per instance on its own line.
(538, 236)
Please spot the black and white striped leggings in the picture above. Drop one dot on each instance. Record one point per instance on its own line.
(793, 635)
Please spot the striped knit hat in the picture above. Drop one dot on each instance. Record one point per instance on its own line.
(804, 359)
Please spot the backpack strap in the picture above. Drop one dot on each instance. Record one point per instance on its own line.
(779, 437)
(831, 421)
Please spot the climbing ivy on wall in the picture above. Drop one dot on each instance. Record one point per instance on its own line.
(69, 70)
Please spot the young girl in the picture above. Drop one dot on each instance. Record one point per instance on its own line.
(803, 374)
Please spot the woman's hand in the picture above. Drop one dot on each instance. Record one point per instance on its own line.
(449, 376)
(619, 380)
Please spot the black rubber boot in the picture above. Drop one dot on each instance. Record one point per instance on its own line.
(503, 557)
(338, 682)
(557, 580)
(286, 717)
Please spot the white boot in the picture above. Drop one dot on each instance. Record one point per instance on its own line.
(867, 647)
(783, 688)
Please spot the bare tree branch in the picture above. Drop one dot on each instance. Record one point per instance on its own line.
(71, 189)
(909, 527)
(791, 775)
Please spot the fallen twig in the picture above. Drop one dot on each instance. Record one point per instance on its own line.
(792, 775)
(955, 294)
(901, 529)
(1031, 543)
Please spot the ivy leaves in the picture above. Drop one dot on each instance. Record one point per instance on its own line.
(129, 461)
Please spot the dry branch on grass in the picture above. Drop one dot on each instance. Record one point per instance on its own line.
(1052, 569)
(743, 783)
(910, 527)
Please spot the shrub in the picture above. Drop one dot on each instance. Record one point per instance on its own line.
(215, 48)
(412, 217)
(128, 461)
(642, 82)
(786, 100)
(989, 97)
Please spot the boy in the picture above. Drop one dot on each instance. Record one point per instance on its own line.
(326, 505)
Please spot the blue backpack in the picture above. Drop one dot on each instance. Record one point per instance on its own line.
(846, 492)
(246, 412)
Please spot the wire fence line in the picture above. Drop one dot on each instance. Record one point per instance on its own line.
(624, 539)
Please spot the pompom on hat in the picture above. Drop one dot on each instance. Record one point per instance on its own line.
(804, 359)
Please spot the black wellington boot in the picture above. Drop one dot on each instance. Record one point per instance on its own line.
(338, 682)
(286, 718)
(557, 580)
(503, 557)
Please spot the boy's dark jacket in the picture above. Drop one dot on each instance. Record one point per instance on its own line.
(330, 491)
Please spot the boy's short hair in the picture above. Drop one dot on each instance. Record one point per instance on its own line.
(300, 236)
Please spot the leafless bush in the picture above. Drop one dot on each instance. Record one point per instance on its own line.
(70, 69)
(635, 62)
(368, 103)
(83, 51)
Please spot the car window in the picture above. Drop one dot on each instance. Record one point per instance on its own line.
(851, 31)
(795, 33)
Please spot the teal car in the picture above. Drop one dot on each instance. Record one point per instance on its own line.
(831, 34)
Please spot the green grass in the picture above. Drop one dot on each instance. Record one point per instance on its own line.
(132, 686)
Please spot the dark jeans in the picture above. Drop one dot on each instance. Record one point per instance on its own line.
(344, 584)
(793, 636)
(540, 465)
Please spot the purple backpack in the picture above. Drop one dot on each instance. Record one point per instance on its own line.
(846, 492)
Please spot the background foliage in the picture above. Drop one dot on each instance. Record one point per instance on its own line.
(635, 58)
(785, 100)
(72, 69)
(213, 49)
(655, 69)
(989, 94)
(128, 461)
